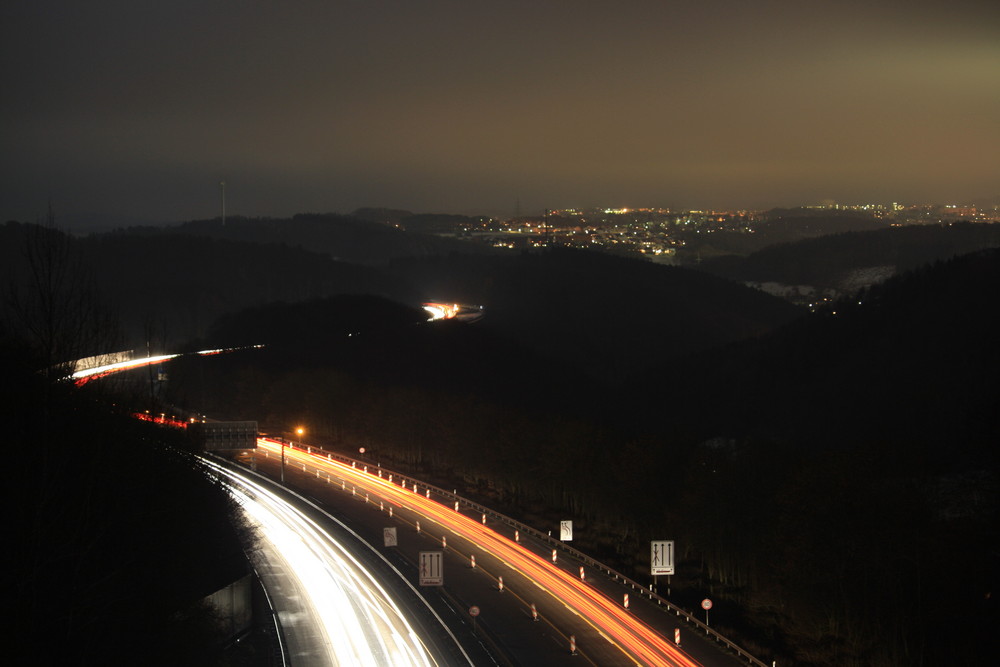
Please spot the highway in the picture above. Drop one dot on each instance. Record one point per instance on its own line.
(332, 610)
(576, 610)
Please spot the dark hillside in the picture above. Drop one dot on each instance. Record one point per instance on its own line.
(342, 237)
(777, 226)
(844, 469)
(383, 344)
(317, 327)
(911, 363)
(608, 315)
(840, 261)
(112, 534)
(180, 284)
(450, 400)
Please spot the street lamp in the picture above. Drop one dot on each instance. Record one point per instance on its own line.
(298, 431)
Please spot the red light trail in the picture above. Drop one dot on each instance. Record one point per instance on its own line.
(634, 638)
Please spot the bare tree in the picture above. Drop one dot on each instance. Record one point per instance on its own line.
(52, 301)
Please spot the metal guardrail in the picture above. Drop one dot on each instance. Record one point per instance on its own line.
(547, 539)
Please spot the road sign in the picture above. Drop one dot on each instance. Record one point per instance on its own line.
(431, 568)
(389, 535)
(661, 557)
(706, 604)
(473, 611)
(566, 531)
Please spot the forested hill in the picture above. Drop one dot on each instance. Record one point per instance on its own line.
(841, 474)
(609, 315)
(849, 260)
(184, 283)
(341, 237)
(168, 287)
(910, 365)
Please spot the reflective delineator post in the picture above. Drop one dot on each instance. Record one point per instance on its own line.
(472, 560)
(366, 468)
(456, 505)
(418, 527)
(572, 644)
(517, 536)
(390, 478)
(390, 510)
(554, 556)
(626, 601)
(444, 541)
(484, 518)
(427, 493)
(381, 506)
(534, 612)
(500, 583)
(583, 577)
(677, 636)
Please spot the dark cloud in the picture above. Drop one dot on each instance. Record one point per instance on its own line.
(125, 110)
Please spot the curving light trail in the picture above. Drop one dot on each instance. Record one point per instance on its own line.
(635, 639)
(85, 375)
(441, 311)
(362, 623)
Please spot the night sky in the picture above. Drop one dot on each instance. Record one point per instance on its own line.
(120, 112)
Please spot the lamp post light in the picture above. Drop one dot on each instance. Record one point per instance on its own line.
(298, 431)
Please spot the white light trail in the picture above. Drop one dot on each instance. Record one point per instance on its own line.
(98, 371)
(84, 375)
(638, 641)
(363, 624)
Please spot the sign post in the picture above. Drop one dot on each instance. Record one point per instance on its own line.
(431, 568)
(661, 560)
(473, 612)
(661, 557)
(566, 531)
(706, 604)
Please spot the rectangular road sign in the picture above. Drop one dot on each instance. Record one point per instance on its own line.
(661, 557)
(389, 534)
(431, 568)
(566, 531)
